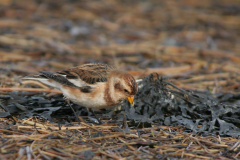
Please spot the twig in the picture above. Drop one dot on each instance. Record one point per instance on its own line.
(35, 83)
(31, 90)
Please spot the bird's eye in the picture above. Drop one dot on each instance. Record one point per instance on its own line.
(126, 91)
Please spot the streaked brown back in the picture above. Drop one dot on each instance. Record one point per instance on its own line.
(90, 73)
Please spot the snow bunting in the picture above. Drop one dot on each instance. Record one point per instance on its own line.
(92, 85)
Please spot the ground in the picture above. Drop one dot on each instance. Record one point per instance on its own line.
(195, 44)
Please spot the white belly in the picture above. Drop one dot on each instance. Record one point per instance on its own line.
(93, 100)
(96, 102)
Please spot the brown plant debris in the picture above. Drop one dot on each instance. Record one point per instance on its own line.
(31, 138)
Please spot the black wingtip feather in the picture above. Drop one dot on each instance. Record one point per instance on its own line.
(46, 73)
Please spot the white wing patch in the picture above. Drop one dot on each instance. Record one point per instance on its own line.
(77, 82)
(80, 83)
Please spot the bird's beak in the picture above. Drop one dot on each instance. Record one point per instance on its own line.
(131, 99)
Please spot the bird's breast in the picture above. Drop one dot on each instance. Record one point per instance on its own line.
(94, 99)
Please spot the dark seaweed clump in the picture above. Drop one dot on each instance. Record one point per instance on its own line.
(200, 112)
(22, 105)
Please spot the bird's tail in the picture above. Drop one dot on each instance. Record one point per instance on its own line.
(43, 79)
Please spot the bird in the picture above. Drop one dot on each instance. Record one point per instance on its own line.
(92, 85)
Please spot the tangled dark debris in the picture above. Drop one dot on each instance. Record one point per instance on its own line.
(157, 101)
(197, 111)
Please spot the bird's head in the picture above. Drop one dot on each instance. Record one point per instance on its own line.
(125, 87)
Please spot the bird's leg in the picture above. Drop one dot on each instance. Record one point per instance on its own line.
(91, 110)
(124, 122)
(68, 101)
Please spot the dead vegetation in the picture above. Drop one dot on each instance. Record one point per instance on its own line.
(31, 138)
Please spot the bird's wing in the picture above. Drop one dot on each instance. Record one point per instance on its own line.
(89, 74)
(82, 77)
